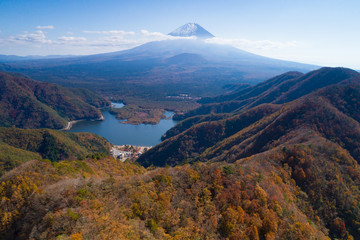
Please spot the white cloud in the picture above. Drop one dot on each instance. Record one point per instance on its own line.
(111, 32)
(161, 36)
(123, 39)
(250, 44)
(45, 27)
(34, 37)
(152, 34)
(69, 40)
(116, 40)
(108, 40)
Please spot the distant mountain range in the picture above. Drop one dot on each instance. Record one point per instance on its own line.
(157, 69)
(14, 58)
(27, 103)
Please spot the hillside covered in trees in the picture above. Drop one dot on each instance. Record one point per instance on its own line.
(27, 103)
(331, 113)
(280, 89)
(303, 191)
(278, 161)
(21, 145)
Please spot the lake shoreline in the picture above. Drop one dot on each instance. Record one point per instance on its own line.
(102, 118)
(118, 133)
(71, 123)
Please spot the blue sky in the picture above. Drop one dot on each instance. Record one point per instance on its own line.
(319, 32)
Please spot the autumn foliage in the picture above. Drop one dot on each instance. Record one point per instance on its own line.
(276, 195)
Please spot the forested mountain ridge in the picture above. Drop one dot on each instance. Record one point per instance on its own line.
(280, 89)
(20, 145)
(275, 90)
(302, 191)
(27, 103)
(315, 137)
(330, 112)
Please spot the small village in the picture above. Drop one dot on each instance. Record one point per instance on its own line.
(125, 152)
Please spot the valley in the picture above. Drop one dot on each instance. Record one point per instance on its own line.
(276, 159)
(178, 139)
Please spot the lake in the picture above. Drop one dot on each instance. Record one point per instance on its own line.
(125, 134)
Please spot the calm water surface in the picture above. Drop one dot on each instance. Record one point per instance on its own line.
(121, 134)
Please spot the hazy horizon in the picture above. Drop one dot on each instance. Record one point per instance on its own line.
(315, 32)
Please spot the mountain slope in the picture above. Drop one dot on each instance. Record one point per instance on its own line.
(21, 145)
(30, 104)
(259, 129)
(315, 139)
(253, 91)
(280, 89)
(303, 191)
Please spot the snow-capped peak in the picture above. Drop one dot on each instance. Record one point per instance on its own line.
(191, 29)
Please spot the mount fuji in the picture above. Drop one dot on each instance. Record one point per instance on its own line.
(160, 68)
(191, 29)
